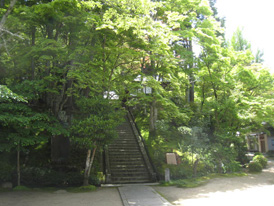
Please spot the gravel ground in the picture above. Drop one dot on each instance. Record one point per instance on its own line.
(251, 190)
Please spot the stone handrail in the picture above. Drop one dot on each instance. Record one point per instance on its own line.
(143, 147)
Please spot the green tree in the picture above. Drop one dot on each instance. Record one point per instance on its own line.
(259, 56)
(94, 127)
(238, 42)
(6, 95)
(21, 126)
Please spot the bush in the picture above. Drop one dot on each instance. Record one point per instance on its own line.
(270, 153)
(5, 171)
(43, 177)
(255, 167)
(257, 153)
(232, 166)
(36, 176)
(260, 159)
(88, 188)
(21, 188)
(180, 171)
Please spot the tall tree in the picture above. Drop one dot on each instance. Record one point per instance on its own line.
(238, 42)
(94, 127)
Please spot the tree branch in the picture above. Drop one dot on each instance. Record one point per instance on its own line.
(4, 18)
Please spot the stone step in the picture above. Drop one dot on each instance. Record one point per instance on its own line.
(124, 129)
(130, 174)
(132, 150)
(127, 163)
(125, 147)
(124, 166)
(123, 158)
(129, 180)
(124, 136)
(116, 155)
(139, 169)
(124, 144)
(123, 153)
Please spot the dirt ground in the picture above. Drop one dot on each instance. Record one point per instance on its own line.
(251, 190)
(101, 197)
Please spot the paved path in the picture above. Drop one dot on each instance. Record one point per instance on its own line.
(141, 195)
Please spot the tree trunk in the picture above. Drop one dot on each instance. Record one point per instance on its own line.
(152, 119)
(195, 166)
(191, 89)
(18, 166)
(191, 76)
(92, 159)
(153, 116)
(89, 162)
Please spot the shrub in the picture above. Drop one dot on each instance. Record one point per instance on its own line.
(180, 171)
(21, 188)
(260, 159)
(5, 171)
(35, 176)
(88, 188)
(257, 153)
(255, 167)
(270, 153)
(232, 166)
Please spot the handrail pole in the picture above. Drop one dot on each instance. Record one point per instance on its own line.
(144, 144)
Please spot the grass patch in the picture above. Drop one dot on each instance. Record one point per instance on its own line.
(88, 188)
(199, 181)
(187, 183)
(21, 188)
(236, 174)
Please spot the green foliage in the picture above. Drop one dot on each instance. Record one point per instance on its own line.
(196, 182)
(96, 123)
(21, 188)
(188, 183)
(260, 159)
(181, 171)
(88, 188)
(238, 42)
(6, 95)
(270, 153)
(23, 126)
(6, 171)
(257, 153)
(255, 167)
(44, 177)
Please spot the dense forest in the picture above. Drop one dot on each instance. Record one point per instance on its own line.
(69, 69)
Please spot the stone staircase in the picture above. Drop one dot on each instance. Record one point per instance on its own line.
(126, 159)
